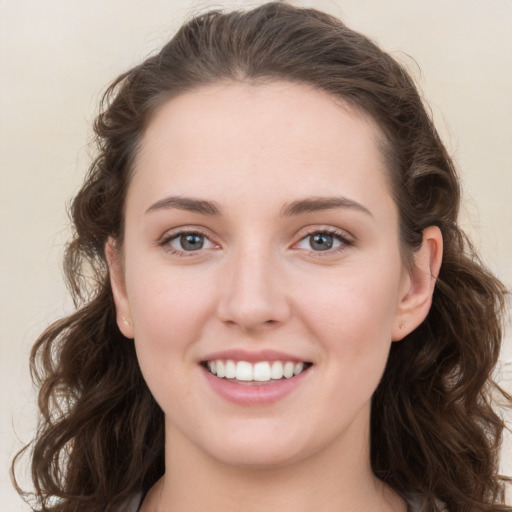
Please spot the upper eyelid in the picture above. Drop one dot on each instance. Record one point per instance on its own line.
(342, 238)
(165, 242)
(175, 232)
(331, 230)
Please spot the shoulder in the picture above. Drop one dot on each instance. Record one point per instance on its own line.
(419, 503)
(133, 504)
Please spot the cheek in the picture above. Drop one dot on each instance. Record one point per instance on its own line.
(169, 311)
(352, 316)
(168, 321)
(352, 322)
(355, 304)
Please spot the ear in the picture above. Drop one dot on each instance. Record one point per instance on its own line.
(117, 282)
(418, 284)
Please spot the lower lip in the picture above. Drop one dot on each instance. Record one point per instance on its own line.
(255, 393)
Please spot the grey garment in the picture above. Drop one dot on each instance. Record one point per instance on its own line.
(134, 504)
(418, 503)
(415, 503)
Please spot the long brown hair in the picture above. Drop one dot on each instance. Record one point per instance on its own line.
(434, 432)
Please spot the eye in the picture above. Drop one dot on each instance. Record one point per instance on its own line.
(187, 241)
(321, 241)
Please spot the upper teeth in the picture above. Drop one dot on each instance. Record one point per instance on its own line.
(261, 371)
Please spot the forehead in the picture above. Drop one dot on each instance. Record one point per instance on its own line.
(239, 137)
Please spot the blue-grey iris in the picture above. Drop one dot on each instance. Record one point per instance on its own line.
(191, 242)
(321, 242)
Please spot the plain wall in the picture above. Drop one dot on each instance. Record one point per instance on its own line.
(57, 56)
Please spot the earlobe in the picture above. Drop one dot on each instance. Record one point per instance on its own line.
(117, 282)
(416, 298)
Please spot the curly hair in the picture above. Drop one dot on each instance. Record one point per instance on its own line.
(434, 428)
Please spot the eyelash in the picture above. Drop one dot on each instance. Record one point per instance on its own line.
(339, 236)
(165, 243)
(345, 242)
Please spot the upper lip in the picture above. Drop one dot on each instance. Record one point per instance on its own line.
(253, 356)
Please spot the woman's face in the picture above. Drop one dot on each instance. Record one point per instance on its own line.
(261, 236)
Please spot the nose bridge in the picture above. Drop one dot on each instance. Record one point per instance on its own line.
(253, 295)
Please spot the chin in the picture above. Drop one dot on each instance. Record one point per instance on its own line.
(256, 451)
(256, 458)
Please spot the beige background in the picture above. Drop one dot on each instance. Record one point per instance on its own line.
(56, 56)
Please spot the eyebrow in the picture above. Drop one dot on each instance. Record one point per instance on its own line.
(316, 204)
(189, 204)
(301, 206)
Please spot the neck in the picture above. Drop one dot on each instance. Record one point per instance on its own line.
(338, 478)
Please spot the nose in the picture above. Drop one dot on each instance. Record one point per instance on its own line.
(253, 295)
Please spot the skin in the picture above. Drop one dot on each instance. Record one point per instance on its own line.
(258, 283)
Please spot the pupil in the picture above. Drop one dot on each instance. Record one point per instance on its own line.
(321, 242)
(192, 242)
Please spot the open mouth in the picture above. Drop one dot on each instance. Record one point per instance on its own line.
(262, 371)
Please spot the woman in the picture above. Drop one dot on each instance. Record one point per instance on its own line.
(284, 313)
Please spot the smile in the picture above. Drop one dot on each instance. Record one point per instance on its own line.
(262, 371)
